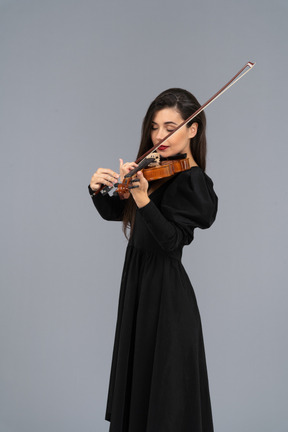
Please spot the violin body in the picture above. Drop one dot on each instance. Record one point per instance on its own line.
(164, 170)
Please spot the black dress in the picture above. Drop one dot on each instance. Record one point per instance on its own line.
(158, 378)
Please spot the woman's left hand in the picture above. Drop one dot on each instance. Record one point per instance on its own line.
(140, 191)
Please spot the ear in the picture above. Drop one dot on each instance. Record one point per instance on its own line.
(193, 130)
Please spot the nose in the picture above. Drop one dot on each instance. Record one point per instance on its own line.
(160, 134)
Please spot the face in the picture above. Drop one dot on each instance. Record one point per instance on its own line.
(166, 121)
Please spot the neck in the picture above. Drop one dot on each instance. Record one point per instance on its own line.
(191, 160)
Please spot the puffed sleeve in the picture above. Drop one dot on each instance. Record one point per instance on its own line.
(188, 202)
(109, 207)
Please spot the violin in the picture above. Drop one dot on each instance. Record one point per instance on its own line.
(168, 168)
(160, 170)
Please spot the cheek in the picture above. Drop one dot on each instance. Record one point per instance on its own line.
(179, 140)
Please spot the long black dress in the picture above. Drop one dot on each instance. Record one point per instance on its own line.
(158, 378)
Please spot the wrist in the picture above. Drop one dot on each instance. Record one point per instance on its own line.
(142, 201)
(92, 192)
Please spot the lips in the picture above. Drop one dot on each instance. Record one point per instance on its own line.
(162, 147)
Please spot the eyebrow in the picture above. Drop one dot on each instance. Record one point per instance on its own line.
(167, 123)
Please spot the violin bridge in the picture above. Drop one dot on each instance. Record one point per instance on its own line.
(156, 161)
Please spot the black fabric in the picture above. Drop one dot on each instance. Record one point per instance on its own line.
(158, 377)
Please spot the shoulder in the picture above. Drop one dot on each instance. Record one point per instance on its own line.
(192, 192)
(192, 180)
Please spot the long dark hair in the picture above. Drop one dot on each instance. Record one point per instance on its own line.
(186, 104)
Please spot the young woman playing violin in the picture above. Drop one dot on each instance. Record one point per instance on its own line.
(158, 377)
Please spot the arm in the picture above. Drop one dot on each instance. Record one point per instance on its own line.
(187, 203)
(169, 235)
(109, 207)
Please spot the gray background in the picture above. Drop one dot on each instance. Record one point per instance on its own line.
(76, 80)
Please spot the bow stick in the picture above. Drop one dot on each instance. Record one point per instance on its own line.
(248, 66)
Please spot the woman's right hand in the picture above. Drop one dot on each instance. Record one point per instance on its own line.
(103, 176)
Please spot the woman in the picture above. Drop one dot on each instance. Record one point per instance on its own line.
(158, 378)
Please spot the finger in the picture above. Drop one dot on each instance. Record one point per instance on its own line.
(140, 176)
(107, 171)
(106, 180)
(111, 179)
(130, 164)
(107, 183)
(142, 180)
(133, 165)
(99, 177)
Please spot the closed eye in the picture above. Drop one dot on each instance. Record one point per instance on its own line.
(153, 128)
